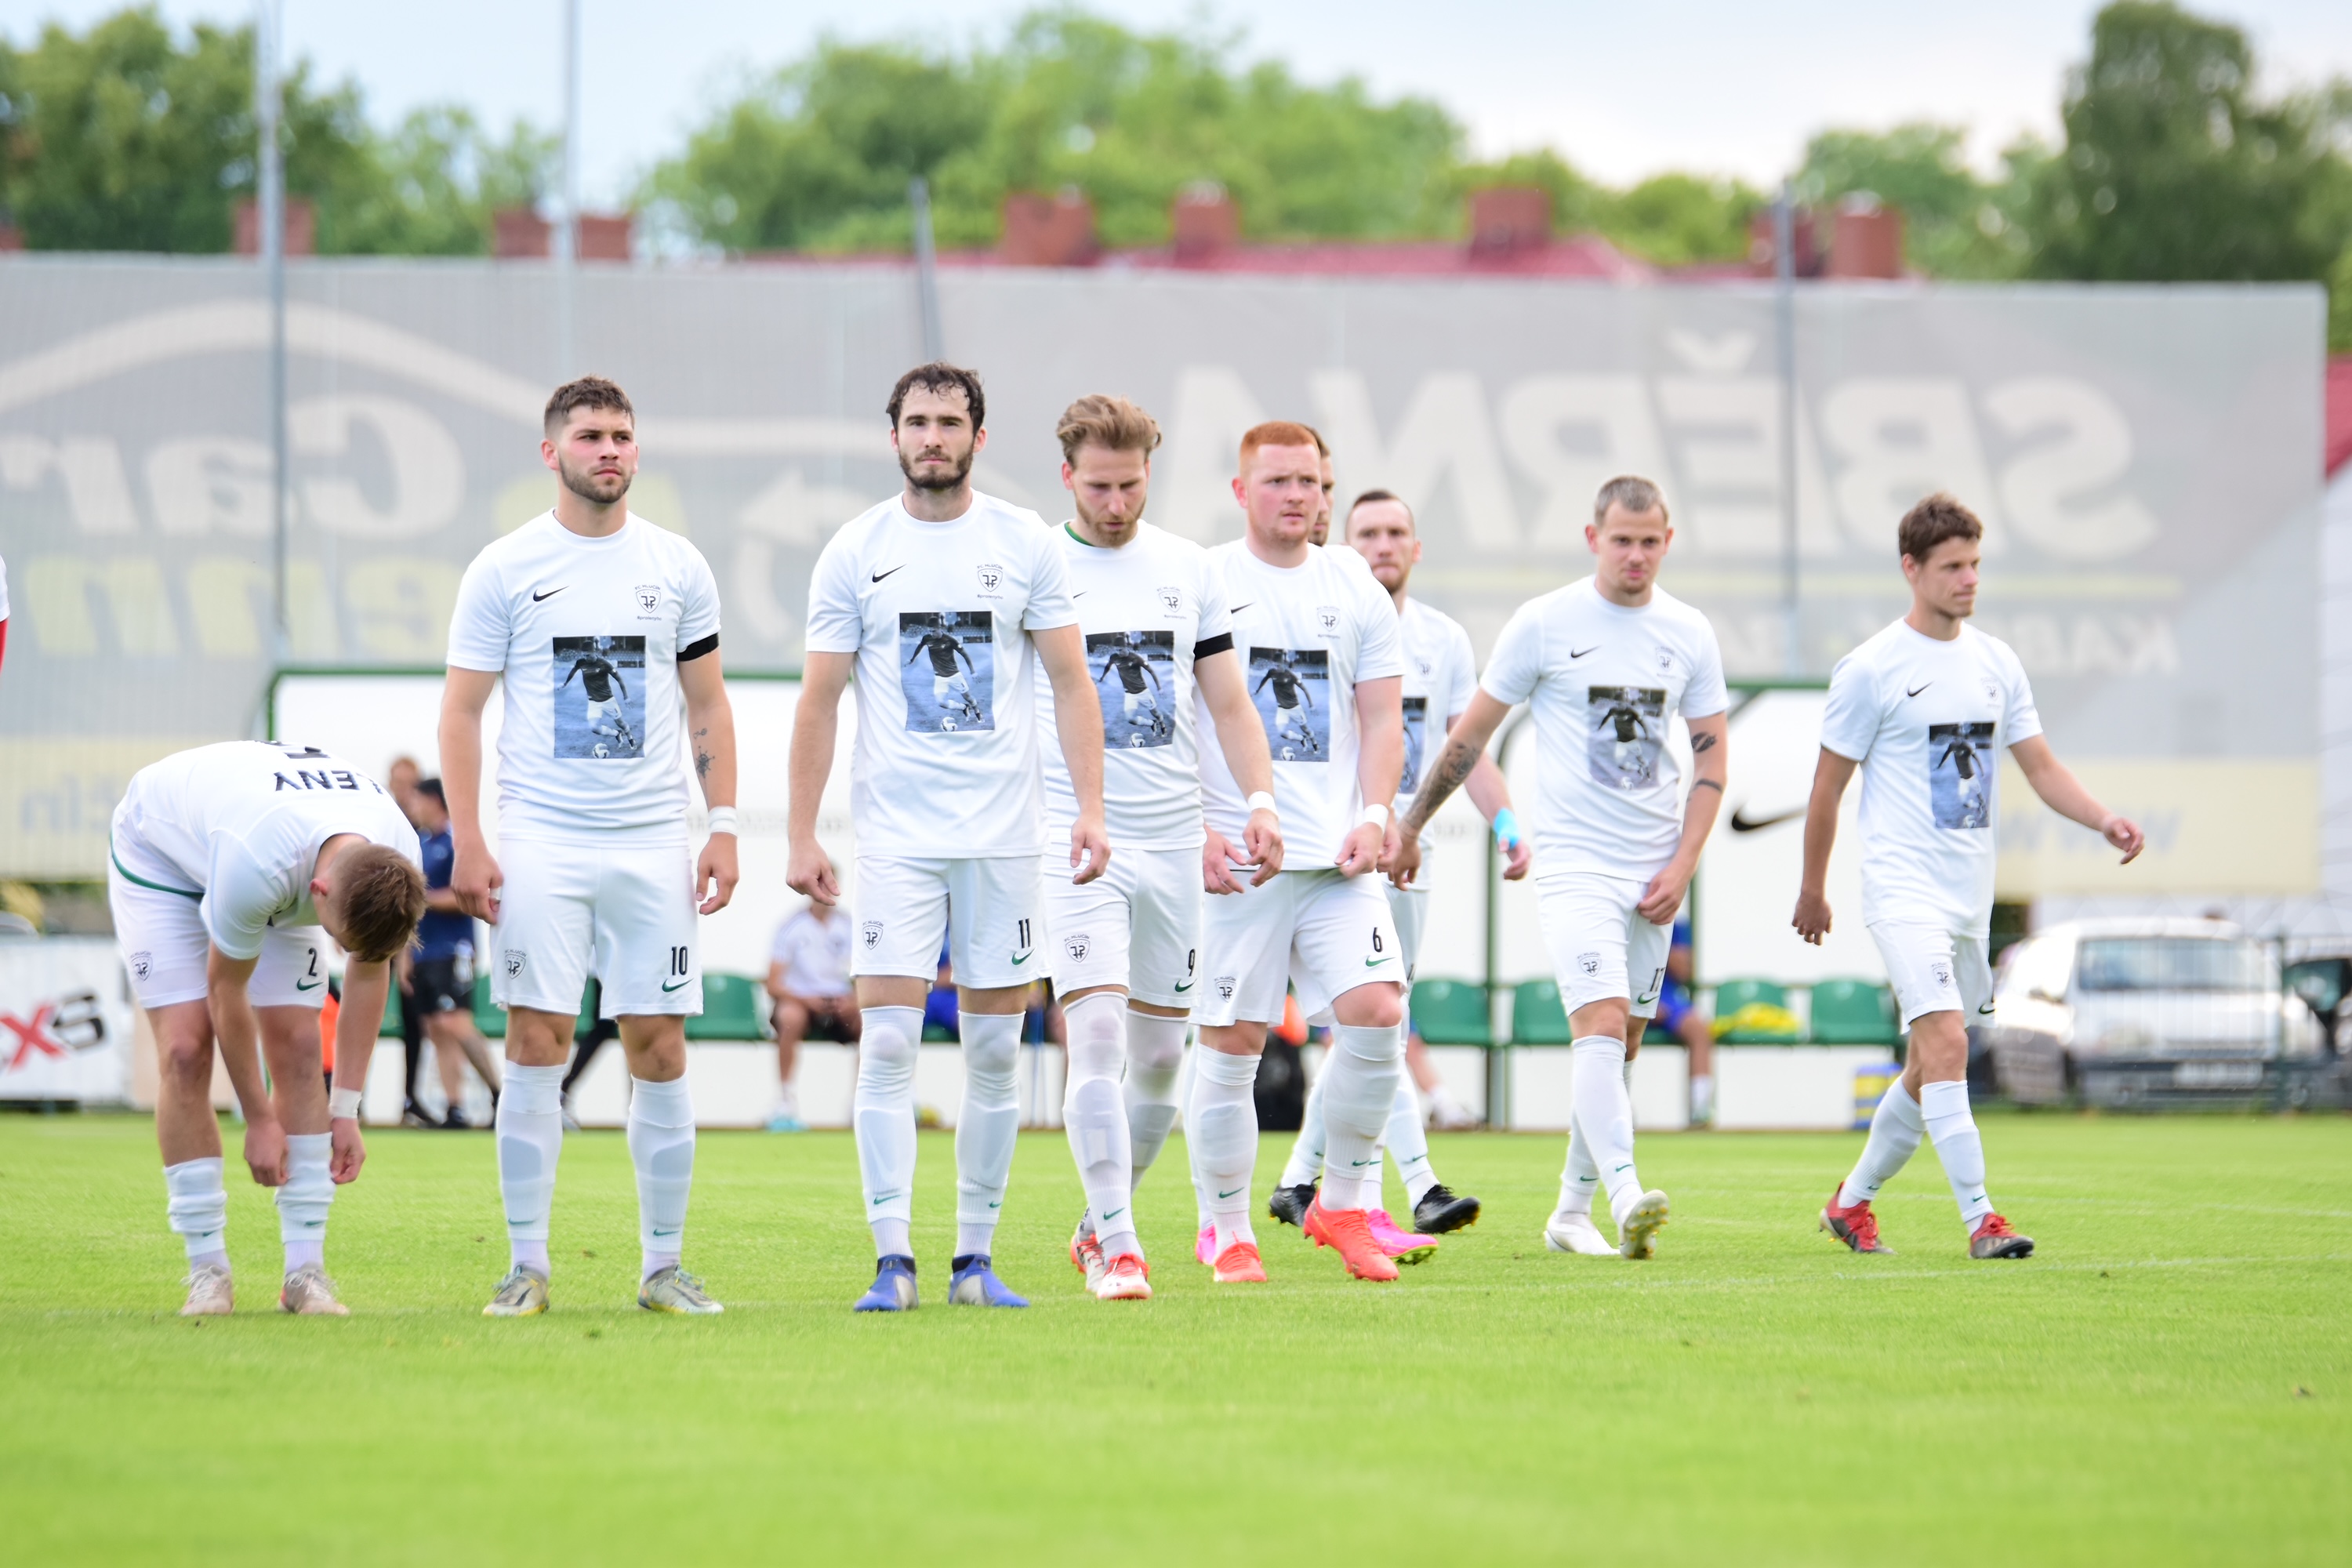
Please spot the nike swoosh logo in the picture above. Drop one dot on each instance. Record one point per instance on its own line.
(1373, 1161)
(1237, 609)
(1742, 823)
(1580, 652)
(1186, 986)
(660, 1232)
(535, 598)
(1230, 1194)
(1114, 1214)
(885, 1197)
(1985, 1008)
(892, 573)
(1376, 963)
(1646, 1001)
(667, 987)
(1919, 688)
(313, 986)
(997, 1204)
(1023, 957)
(1081, 593)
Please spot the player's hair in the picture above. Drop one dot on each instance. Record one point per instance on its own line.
(431, 790)
(1373, 495)
(1633, 493)
(1934, 521)
(382, 895)
(941, 377)
(1277, 433)
(1322, 448)
(588, 391)
(1108, 421)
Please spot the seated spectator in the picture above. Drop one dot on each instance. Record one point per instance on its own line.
(809, 986)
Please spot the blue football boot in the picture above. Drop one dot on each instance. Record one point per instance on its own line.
(893, 1289)
(976, 1285)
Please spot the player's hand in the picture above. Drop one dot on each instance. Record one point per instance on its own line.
(716, 870)
(1360, 851)
(1261, 839)
(348, 1150)
(2124, 834)
(1402, 861)
(265, 1151)
(1090, 850)
(1520, 855)
(809, 872)
(1812, 917)
(476, 879)
(1218, 863)
(1663, 899)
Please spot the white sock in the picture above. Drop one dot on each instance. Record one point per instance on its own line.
(1189, 1081)
(1895, 1130)
(1359, 1084)
(1580, 1178)
(1944, 1107)
(1306, 1162)
(530, 1141)
(1703, 1097)
(1604, 1115)
(196, 1203)
(883, 1112)
(986, 1127)
(303, 1201)
(1155, 1056)
(1094, 1115)
(661, 1147)
(1408, 1143)
(1221, 1124)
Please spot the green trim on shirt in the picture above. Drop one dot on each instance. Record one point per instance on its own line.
(1071, 529)
(143, 881)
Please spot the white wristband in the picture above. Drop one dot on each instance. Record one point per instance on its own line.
(722, 819)
(1261, 801)
(342, 1102)
(1378, 815)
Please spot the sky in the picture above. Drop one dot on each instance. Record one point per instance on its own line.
(1622, 91)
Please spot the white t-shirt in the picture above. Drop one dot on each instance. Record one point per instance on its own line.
(1306, 634)
(1604, 680)
(939, 614)
(1929, 721)
(1147, 610)
(814, 953)
(587, 633)
(241, 823)
(1440, 674)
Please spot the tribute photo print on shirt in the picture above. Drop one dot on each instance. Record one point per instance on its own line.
(600, 697)
(1291, 689)
(1135, 675)
(1628, 730)
(948, 670)
(1958, 757)
(1416, 733)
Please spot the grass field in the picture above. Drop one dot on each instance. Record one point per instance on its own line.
(2167, 1380)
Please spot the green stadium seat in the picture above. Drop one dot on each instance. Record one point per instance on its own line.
(938, 1034)
(1854, 1013)
(1451, 1013)
(488, 1016)
(1754, 1013)
(390, 1029)
(734, 1008)
(1537, 1016)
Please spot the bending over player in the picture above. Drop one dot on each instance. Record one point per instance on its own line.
(1924, 709)
(228, 867)
(1616, 839)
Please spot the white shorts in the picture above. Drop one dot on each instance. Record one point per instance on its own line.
(159, 927)
(1409, 912)
(1334, 932)
(1598, 944)
(1138, 925)
(986, 911)
(1935, 970)
(622, 913)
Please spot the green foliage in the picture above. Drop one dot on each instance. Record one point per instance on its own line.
(1954, 224)
(429, 188)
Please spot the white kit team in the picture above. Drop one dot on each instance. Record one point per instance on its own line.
(1181, 784)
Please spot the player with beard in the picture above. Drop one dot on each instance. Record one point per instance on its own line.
(1617, 838)
(1320, 615)
(1125, 948)
(1923, 709)
(1439, 675)
(944, 817)
(594, 873)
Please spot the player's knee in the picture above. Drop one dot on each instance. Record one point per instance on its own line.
(183, 1058)
(1379, 1005)
(991, 1056)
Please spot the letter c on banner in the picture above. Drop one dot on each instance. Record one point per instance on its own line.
(428, 472)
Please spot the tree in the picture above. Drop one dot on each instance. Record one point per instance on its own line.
(1954, 224)
(430, 187)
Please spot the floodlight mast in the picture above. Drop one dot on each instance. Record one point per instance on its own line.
(1784, 315)
(926, 269)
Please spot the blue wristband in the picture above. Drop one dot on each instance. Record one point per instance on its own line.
(1507, 828)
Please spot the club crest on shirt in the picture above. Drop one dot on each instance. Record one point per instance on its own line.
(872, 933)
(1076, 945)
(1665, 659)
(992, 578)
(143, 964)
(1172, 599)
(1224, 984)
(1327, 619)
(648, 595)
(514, 962)
(1589, 962)
(1992, 690)
(1943, 974)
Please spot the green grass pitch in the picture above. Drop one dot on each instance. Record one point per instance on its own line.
(2167, 1381)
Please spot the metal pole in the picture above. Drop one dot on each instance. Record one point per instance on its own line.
(927, 268)
(1784, 312)
(269, 24)
(567, 230)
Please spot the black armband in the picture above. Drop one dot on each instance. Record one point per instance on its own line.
(1222, 643)
(694, 650)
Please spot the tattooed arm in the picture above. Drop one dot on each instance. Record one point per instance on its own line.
(1465, 744)
(710, 723)
(1664, 897)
